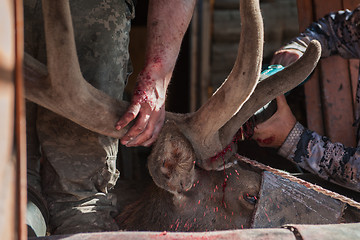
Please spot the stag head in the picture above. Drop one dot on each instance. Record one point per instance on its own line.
(209, 205)
(185, 139)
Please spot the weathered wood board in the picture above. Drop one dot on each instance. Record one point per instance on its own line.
(285, 202)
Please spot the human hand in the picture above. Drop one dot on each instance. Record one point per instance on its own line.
(286, 57)
(148, 107)
(273, 132)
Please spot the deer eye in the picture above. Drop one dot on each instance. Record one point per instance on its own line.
(250, 199)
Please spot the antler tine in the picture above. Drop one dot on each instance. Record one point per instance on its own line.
(272, 87)
(239, 85)
(63, 89)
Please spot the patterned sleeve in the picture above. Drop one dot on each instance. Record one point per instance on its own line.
(337, 32)
(332, 161)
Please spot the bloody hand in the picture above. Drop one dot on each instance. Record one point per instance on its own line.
(147, 107)
(273, 132)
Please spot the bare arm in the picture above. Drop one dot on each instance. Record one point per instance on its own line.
(167, 24)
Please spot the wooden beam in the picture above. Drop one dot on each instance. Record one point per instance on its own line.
(354, 74)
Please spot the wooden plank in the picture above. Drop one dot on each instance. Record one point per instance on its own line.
(312, 91)
(338, 232)
(226, 4)
(280, 24)
(282, 201)
(322, 9)
(226, 26)
(258, 234)
(354, 74)
(338, 100)
(223, 56)
(305, 13)
(350, 4)
(336, 88)
(315, 119)
(353, 63)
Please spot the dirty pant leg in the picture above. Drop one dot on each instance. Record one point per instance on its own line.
(79, 169)
(79, 165)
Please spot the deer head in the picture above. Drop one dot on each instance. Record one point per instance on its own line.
(209, 205)
(185, 138)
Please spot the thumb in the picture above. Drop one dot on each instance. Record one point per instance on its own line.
(281, 102)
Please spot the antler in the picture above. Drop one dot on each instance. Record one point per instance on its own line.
(62, 88)
(202, 128)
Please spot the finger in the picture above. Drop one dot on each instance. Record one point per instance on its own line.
(288, 60)
(285, 57)
(139, 127)
(144, 139)
(152, 130)
(276, 59)
(130, 114)
(279, 57)
(152, 139)
(155, 133)
(281, 102)
(141, 138)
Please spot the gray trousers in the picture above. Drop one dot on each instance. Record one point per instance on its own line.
(79, 166)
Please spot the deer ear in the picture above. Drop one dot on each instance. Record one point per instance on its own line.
(172, 160)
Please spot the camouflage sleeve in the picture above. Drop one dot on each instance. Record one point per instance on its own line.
(338, 33)
(332, 161)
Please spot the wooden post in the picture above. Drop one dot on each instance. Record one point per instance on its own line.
(312, 87)
(200, 54)
(194, 53)
(7, 95)
(20, 124)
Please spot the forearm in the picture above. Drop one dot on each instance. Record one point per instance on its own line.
(317, 154)
(166, 27)
(168, 21)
